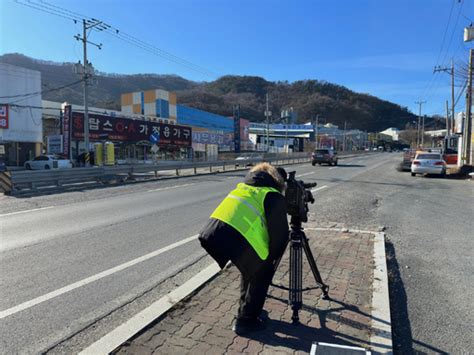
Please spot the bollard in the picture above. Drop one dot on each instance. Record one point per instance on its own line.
(195, 171)
(177, 172)
(223, 166)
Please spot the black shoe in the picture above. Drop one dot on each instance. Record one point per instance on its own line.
(244, 326)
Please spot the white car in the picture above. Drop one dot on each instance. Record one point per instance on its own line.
(428, 163)
(45, 162)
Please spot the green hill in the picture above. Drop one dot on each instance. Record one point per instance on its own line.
(333, 103)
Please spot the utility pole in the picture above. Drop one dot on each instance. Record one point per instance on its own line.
(267, 115)
(451, 72)
(87, 74)
(344, 137)
(447, 119)
(316, 131)
(418, 138)
(467, 134)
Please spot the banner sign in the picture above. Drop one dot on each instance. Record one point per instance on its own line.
(3, 116)
(55, 144)
(237, 128)
(206, 137)
(128, 130)
(66, 130)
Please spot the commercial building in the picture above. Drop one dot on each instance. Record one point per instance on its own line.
(211, 133)
(304, 137)
(21, 127)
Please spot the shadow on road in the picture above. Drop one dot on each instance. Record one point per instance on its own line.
(401, 328)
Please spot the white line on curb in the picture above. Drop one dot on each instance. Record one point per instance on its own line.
(131, 327)
(63, 290)
(26, 211)
(319, 188)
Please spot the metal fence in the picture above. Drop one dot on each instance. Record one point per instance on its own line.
(27, 181)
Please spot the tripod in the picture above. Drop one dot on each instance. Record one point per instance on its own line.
(299, 242)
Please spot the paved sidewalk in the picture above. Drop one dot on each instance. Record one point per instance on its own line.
(202, 323)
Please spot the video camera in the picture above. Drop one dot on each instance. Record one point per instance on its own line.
(297, 197)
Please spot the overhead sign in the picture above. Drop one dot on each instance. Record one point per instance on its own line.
(3, 116)
(127, 130)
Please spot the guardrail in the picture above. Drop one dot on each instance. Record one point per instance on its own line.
(27, 181)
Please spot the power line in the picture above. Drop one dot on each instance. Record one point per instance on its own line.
(445, 32)
(453, 32)
(76, 17)
(41, 92)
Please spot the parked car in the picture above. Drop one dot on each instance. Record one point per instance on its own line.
(248, 159)
(428, 163)
(45, 162)
(326, 156)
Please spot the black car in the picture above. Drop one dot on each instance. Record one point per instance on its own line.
(326, 156)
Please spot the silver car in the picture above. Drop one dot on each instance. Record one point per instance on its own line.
(428, 163)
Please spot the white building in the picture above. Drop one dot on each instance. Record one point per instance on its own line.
(392, 132)
(21, 127)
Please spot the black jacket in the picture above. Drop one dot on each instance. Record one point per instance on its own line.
(225, 243)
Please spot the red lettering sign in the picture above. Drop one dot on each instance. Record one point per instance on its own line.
(3, 116)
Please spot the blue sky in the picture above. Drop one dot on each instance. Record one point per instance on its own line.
(382, 47)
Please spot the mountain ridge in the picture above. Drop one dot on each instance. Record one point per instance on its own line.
(309, 98)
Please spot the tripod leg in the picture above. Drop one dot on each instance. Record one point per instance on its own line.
(296, 279)
(314, 267)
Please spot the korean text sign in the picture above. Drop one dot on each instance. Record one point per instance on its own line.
(128, 130)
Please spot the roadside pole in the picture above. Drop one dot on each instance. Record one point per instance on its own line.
(447, 119)
(418, 131)
(468, 154)
(267, 115)
(87, 74)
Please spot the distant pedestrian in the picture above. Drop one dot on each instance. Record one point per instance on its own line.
(250, 228)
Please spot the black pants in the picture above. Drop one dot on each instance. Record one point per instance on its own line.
(253, 292)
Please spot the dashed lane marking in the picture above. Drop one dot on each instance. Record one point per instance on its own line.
(171, 187)
(319, 188)
(26, 211)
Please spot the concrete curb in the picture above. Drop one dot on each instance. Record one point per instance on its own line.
(381, 338)
(127, 330)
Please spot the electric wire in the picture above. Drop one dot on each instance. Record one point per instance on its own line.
(76, 17)
(42, 91)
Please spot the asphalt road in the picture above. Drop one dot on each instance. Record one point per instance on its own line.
(76, 265)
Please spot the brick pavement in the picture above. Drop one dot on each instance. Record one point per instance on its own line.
(202, 323)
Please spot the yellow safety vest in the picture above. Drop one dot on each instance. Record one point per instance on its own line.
(243, 209)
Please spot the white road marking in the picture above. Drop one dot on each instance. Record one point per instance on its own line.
(171, 187)
(90, 279)
(319, 188)
(305, 174)
(334, 167)
(26, 211)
